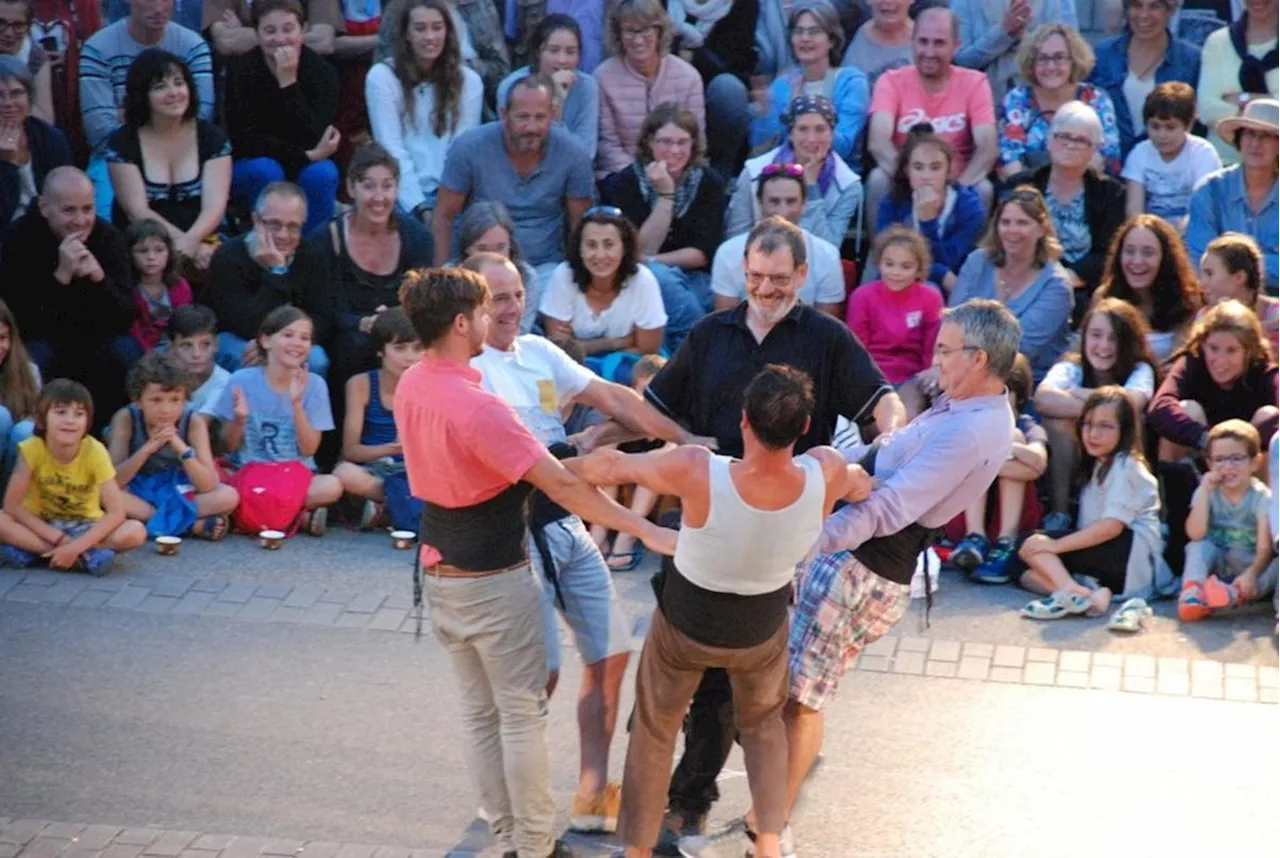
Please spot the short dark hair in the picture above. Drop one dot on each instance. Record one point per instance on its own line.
(192, 320)
(61, 391)
(763, 180)
(434, 297)
(1171, 100)
(392, 326)
(779, 402)
(148, 68)
(368, 156)
(261, 8)
(275, 322)
(547, 27)
(151, 228)
(160, 368)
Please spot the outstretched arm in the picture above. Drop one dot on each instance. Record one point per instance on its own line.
(667, 472)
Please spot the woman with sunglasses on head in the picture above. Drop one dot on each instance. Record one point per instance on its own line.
(603, 297)
(816, 45)
(677, 204)
(1055, 60)
(834, 190)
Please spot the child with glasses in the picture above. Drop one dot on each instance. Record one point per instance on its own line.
(1229, 558)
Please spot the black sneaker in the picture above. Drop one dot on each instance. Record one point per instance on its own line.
(970, 552)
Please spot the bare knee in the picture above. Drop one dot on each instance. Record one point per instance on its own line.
(221, 501)
(127, 536)
(1194, 410)
(324, 490)
(1264, 415)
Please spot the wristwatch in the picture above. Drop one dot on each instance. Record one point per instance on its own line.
(189, 453)
(279, 269)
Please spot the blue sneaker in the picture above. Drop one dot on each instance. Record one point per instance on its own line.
(16, 558)
(1057, 524)
(970, 552)
(995, 569)
(97, 561)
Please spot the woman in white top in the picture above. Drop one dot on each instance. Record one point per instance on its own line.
(602, 296)
(1113, 350)
(421, 98)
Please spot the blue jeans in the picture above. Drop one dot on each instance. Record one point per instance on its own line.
(231, 351)
(318, 180)
(11, 435)
(728, 119)
(687, 297)
(104, 195)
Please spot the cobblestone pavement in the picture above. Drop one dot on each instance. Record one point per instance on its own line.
(247, 704)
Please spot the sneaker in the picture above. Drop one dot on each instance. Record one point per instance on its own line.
(707, 845)
(597, 815)
(1056, 524)
(1219, 595)
(16, 558)
(675, 826)
(970, 552)
(995, 569)
(97, 561)
(1191, 604)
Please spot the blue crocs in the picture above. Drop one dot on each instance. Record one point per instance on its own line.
(16, 558)
(97, 561)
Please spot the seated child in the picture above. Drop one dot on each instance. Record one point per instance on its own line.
(62, 503)
(1013, 508)
(19, 390)
(1162, 171)
(1229, 555)
(897, 317)
(1117, 546)
(370, 443)
(275, 413)
(161, 288)
(160, 448)
(626, 553)
(193, 333)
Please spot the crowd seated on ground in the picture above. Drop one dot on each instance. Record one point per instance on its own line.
(209, 259)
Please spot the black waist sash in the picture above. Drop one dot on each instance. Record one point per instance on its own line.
(725, 620)
(893, 557)
(484, 536)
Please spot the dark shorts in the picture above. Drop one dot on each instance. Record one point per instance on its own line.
(1106, 561)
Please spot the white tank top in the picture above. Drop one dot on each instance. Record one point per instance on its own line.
(749, 551)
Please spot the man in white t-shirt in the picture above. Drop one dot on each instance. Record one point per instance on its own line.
(538, 380)
(782, 194)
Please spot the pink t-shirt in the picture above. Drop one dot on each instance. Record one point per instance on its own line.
(462, 444)
(954, 112)
(897, 328)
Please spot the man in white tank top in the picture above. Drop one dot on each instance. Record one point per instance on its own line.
(746, 524)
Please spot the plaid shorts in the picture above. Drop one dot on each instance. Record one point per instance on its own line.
(841, 606)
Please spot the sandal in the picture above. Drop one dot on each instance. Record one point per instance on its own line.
(211, 527)
(1130, 617)
(315, 520)
(1056, 606)
(630, 560)
(370, 515)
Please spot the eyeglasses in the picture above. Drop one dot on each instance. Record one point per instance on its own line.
(1098, 425)
(673, 142)
(607, 211)
(808, 32)
(632, 33)
(1071, 141)
(16, 27)
(941, 351)
(1053, 59)
(795, 171)
(1234, 459)
(757, 278)
(274, 226)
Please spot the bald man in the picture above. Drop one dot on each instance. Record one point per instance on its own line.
(66, 275)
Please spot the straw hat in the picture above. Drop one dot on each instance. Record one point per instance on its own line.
(1260, 113)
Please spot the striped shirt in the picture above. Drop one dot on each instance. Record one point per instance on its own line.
(104, 66)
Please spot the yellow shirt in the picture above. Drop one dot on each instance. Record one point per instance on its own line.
(70, 491)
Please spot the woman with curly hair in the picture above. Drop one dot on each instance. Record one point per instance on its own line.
(1147, 265)
(421, 98)
(603, 297)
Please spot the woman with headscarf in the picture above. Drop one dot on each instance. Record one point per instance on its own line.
(834, 191)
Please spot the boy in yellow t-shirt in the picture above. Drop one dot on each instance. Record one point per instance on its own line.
(63, 503)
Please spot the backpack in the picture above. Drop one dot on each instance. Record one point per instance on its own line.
(272, 495)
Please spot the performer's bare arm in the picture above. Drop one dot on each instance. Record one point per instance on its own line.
(676, 471)
(569, 491)
(844, 481)
(629, 408)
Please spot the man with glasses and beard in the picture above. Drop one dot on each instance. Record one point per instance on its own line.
(702, 388)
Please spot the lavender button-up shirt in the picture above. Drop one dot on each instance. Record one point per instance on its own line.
(929, 471)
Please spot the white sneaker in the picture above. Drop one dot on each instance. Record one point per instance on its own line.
(786, 843)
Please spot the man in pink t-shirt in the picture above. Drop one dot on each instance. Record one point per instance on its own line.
(473, 463)
(955, 101)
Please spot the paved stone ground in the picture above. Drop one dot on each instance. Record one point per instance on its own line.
(235, 703)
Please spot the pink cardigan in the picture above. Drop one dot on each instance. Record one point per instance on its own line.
(626, 98)
(149, 331)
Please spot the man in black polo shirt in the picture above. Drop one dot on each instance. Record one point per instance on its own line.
(702, 387)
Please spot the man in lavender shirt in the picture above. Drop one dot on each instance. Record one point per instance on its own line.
(858, 587)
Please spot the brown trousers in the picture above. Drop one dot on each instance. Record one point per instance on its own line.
(671, 666)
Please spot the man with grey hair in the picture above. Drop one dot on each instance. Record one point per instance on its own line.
(537, 170)
(858, 584)
(252, 274)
